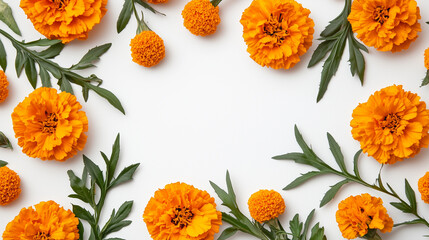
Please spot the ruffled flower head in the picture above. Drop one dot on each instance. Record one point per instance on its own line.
(147, 48)
(9, 185)
(200, 17)
(4, 92)
(277, 32)
(64, 19)
(392, 125)
(356, 215)
(387, 25)
(50, 126)
(181, 211)
(424, 187)
(47, 221)
(265, 205)
(427, 58)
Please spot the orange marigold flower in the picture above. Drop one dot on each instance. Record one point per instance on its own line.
(147, 48)
(9, 185)
(424, 187)
(200, 17)
(427, 58)
(387, 25)
(392, 125)
(181, 211)
(265, 205)
(277, 32)
(64, 19)
(357, 214)
(4, 92)
(156, 1)
(49, 125)
(47, 221)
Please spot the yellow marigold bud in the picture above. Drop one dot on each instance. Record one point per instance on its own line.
(427, 58)
(265, 205)
(4, 92)
(147, 48)
(424, 187)
(9, 185)
(200, 17)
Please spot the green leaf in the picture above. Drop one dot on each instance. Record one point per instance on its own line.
(42, 43)
(307, 224)
(3, 58)
(355, 163)
(215, 3)
(52, 51)
(94, 171)
(330, 194)
(83, 214)
(65, 85)
(148, 7)
(320, 52)
(78, 186)
(4, 141)
(317, 233)
(303, 178)
(229, 187)
(2, 163)
(415, 221)
(45, 77)
(356, 59)
(226, 199)
(295, 156)
(336, 152)
(125, 15)
(91, 56)
(331, 64)
(227, 233)
(401, 206)
(109, 96)
(114, 158)
(295, 226)
(31, 72)
(125, 175)
(6, 16)
(19, 62)
(411, 196)
(426, 79)
(334, 26)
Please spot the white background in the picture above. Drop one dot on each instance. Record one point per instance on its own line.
(208, 108)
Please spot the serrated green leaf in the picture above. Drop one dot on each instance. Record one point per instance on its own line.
(302, 179)
(45, 77)
(411, 196)
(125, 15)
(4, 141)
(52, 51)
(31, 72)
(83, 214)
(330, 194)
(320, 52)
(91, 56)
(227, 233)
(3, 57)
(356, 163)
(125, 175)
(109, 96)
(336, 152)
(2, 163)
(6, 16)
(94, 171)
(426, 79)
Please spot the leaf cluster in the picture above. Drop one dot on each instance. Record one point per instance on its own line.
(271, 230)
(334, 38)
(27, 59)
(4, 141)
(308, 157)
(6, 16)
(102, 183)
(129, 9)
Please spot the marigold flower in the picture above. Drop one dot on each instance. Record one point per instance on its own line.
(277, 32)
(156, 1)
(200, 17)
(387, 25)
(47, 221)
(357, 214)
(4, 92)
(265, 205)
(64, 19)
(427, 58)
(424, 187)
(392, 125)
(49, 125)
(147, 48)
(181, 211)
(9, 185)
